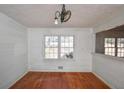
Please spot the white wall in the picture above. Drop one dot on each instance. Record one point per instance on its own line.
(13, 51)
(83, 49)
(111, 69)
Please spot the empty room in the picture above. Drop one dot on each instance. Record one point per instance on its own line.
(61, 46)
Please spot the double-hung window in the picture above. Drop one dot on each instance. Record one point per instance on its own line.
(114, 47)
(120, 47)
(51, 47)
(109, 46)
(59, 47)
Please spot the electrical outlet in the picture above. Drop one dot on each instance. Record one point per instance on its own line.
(60, 67)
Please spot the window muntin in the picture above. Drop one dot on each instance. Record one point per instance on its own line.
(114, 46)
(120, 47)
(59, 47)
(51, 47)
(109, 45)
(67, 47)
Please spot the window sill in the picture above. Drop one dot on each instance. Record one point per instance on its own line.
(69, 60)
(109, 57)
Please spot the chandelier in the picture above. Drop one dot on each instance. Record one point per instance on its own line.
(62, 16)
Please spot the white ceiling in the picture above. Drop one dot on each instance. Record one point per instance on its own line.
(42, 15)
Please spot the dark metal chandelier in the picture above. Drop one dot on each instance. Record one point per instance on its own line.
(62, 16)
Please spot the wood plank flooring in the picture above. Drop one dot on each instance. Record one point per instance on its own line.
(59, 80)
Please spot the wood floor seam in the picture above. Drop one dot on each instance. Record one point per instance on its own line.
(60, 80)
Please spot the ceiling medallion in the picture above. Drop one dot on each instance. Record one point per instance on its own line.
(62, 16)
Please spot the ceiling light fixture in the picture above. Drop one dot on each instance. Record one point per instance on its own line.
(62, 16)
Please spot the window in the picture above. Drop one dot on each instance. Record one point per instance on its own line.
(51, 47)
(109, 46)
(120, 47)
(59, 47)
(114, 46)
(66, 47)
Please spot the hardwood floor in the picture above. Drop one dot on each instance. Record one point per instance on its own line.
(59, 80)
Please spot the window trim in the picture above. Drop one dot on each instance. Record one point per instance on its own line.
(116, 46)
(110, 47)
(59, 48)
(119, 47)
(50, 47)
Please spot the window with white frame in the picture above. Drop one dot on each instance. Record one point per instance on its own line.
(114, 46)
(67, 47)
(109, 45)
(59, 47)
(120, 47)
(51, 47)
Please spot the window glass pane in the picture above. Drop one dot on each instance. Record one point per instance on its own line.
(109, 42)
(51, 50)
(51, 47)
(51, 53)
(120, 52)
(67, 44)
(67, 53)
(120, 45)
(120, 42)
(110, 51)
(66, 41)
(51, 41)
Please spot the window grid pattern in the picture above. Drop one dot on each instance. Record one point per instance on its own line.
(67, 47)
(59, 47)
(109, 46)
(120, 47)
(51, 47)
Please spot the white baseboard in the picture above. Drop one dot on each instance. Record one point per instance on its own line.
(33, 70)
(102, 80)
(18, 78)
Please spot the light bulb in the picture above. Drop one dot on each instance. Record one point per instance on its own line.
(56, 21)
